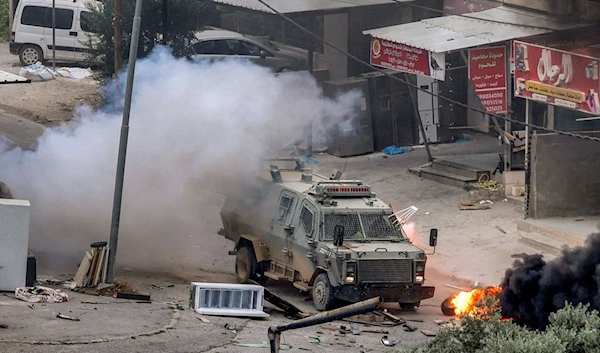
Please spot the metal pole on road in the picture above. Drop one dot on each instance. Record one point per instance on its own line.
(116, 212)
(54, 35)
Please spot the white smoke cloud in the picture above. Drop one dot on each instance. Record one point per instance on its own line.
(195, 129)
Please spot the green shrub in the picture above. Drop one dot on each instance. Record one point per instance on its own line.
(4, 20)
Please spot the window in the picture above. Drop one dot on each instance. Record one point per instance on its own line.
(284, 206)
(34, 16)
(211, 47)
(42, 17)
(306, 218)
(247, 48)
(360, 226)
(86, 20)
(64, 18)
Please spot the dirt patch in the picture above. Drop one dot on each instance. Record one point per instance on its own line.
(48, 103)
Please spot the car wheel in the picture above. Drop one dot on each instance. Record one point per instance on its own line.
(30, 54)
(322, 293)
(247, 268)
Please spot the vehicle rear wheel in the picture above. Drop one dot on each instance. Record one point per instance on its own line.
(322, 293)
(247, 268)
(30, 54)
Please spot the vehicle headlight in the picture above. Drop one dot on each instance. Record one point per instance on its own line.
(419, 279)
(350, 272)
(350, 279)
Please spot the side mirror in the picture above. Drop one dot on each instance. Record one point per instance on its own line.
(263, 54)
(433, 236)
(338, 235)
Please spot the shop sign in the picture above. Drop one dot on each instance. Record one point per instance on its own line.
(401, 57)
(557, 77)
(487, 72)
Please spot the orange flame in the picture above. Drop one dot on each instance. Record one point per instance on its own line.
(466, 302)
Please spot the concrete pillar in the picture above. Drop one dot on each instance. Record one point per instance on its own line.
(336, 33)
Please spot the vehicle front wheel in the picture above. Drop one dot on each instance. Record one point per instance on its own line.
(322, 293)
(247, 268)
(30, 54)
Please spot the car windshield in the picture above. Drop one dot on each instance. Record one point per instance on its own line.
(360, 226)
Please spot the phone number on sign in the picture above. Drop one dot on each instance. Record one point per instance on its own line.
(494, 108)
(491, 95)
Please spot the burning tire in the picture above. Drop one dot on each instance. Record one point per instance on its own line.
(448, 307)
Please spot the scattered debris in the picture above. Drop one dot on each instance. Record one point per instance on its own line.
(282, 346)
(66, 317)
(468, 206)
(456, 287)
(315, 340)
(414, 320)
(330, 328)
(41, 295)
(393, 317)
(429, 333)
(355, 329)
(440, 322)
(383, 332)
(154, 286)
(482, 202)
(48, 280)
(519, 256)
(579, 220)
(352, 340)
(203, 319)
(31, 306)
(501, 230)
(289, 309)
(396, 150)
(132, 296)
(409, 328)
(69, 285)
(228, 305)
(386, 342)
(232, 327)
(3, 326)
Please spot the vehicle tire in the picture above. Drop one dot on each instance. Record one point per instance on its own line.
(30, 54)
(247, 268)
(322, 293)
(408, 306)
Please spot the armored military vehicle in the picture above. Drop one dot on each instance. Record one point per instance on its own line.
(329, 236)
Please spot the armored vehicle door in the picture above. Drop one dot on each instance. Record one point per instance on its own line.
(283, 228)
(306, 221)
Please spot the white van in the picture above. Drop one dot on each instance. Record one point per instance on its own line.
(31, 37)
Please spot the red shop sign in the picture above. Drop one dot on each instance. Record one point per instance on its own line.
(557, 77)
(487, 72)
(409, 59)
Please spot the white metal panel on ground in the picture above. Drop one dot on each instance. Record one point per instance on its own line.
(224, 299)
(7, 77)
(14, 241)
(294, 6)
(448, 33)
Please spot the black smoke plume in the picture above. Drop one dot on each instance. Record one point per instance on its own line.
(534, 288)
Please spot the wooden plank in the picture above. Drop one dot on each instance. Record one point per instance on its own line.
(83, 269)
(92, 270)
(98, 273)
(104, 268)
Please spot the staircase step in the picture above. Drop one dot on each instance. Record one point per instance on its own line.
(541, 243)
(557, 235)
(302, 286)
(442, 177)
(459, 169)
(273, 275)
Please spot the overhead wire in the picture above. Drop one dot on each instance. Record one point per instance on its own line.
(393, 77)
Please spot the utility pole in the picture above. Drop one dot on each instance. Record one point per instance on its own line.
(311, 55)
(54, 35)
(116, 212)
(117, 26)
(165, 20)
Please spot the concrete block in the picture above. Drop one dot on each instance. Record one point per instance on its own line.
(224, 299)
(514, 177)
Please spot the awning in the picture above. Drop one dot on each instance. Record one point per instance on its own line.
(295, 6)
(448, 33)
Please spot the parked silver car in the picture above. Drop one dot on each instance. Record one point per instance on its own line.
(220, 44)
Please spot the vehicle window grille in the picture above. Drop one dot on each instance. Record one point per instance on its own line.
(306, 218)
(378, 226)
(350, 221)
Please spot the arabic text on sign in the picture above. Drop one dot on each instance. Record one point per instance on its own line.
(556, 92)
(403, 47)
